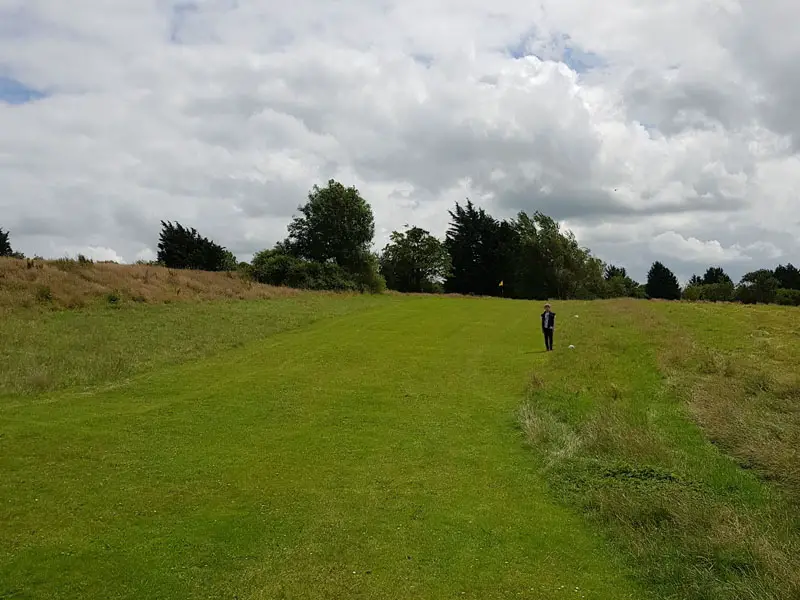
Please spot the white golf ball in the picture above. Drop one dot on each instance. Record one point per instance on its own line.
(572, 347)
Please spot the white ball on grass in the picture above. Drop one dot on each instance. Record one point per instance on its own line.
(571, 347)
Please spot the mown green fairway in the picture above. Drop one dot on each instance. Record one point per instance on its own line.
(375, 455)
(370, 448)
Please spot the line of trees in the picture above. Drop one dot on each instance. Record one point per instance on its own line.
(764, 286)
(328, 247)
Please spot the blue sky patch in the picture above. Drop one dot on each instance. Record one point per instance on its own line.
(180, 13)
(581, 61)
(16, 92)
(426, 60)
(558, 48)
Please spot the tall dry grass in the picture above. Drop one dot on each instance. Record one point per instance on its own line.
(612, 429)
(67, 283)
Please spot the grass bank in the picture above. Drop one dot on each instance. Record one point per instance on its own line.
(613, 425)
(71, 284)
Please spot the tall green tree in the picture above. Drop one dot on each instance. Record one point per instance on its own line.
(336, 224)
(612, 271)
(414, 261)
(5, 243)
(180, 247)
(549, 262)
(758, 287)
(662, 283)
(788, 276)
(229, 262)
(618, 284)
(715, 275)
(531, 255)
(695, 281)
(480, 249)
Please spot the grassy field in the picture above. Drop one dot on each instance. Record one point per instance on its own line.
(355, 447)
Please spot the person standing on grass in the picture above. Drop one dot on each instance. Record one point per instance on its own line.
(548, 326)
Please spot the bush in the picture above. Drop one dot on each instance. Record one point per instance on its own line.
(788, 297)
(640, 292)
(758, 287)
(113, 298)
(617, 286)
(274, 267)
(245, 270)
(719, 292)
(710, 292)
(311, 275)
(368, 278)
(693, 293)
(44, 293)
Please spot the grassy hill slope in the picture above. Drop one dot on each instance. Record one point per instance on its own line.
(67, 283)
(392, 447)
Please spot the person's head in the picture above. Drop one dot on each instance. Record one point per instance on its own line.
(547, 308)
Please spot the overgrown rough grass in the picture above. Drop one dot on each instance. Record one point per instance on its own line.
(617, 441)
(744, 385)
(67, 283)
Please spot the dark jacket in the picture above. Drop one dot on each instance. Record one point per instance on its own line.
(552, 320)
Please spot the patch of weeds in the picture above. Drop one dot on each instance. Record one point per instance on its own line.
(789, 391)
(650, 517)
(74, 302)
(632, 473)
(714, 363)
(685, 538)
(734, 561)
(69, 265)
(757, 383)
(39, 382)
(548, 433)
(114, 298)
(535, 383)
(64, 264)
(44, 294)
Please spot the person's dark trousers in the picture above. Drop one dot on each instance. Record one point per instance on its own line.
(548, 338)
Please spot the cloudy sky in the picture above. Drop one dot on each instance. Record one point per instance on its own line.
(665, 129)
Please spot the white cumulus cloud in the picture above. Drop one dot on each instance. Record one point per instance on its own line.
(673, 245)
(657, 130)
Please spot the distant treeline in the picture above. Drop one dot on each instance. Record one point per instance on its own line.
(527, 257)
